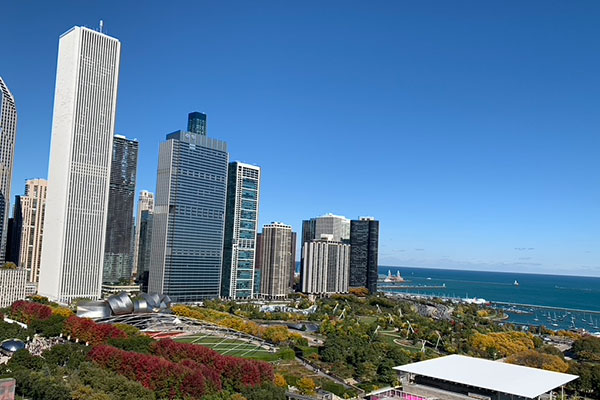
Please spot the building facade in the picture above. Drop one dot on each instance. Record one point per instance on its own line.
(189, 215)
(364, 239)
(326, 266)
(335, 226)
(13, 234)
(145, 203)
(13, 285)
(197, 123)
(241, 221)
(8, 135)
(258, 264)
(277, 263)
(33, 209)
(144, 247)
(118, 251)
(83, 126)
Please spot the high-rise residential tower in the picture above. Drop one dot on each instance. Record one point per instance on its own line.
(336, 226)
(197, 123)
(241, 221)
(118, 251)
(145, 203)
(189, 216)
(276, 266)
(33, 208)
(364, 239)
(8, 134)
(326, 265)
(83, 126)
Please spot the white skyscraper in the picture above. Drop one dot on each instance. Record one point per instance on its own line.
(83, 126)
(8, 133)
(145, 203)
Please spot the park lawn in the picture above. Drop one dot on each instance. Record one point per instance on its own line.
(231, 347)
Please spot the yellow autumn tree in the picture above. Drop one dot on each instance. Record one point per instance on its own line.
(306, 385)
(502, 343)
(535, 359)
(280, 381)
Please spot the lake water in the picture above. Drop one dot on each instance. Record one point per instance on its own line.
(556, 301)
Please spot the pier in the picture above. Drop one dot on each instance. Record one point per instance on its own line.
(411, 287)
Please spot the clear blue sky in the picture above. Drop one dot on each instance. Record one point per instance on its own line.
(470, 129)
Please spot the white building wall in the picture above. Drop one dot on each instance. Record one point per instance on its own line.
(79, 172)
(12, 286)
(326, 267)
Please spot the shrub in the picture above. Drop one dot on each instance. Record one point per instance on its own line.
(26, 311)
(87, 330)
(167, 379)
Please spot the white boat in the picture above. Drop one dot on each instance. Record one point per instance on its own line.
(516, 283)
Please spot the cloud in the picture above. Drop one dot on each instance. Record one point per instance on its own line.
(524, 248)
(419, 249)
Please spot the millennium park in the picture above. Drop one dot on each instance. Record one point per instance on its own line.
(316, 200)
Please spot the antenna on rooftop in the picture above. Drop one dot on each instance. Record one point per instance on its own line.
(101, 26)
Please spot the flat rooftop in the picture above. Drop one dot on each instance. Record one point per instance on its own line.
(491, 375)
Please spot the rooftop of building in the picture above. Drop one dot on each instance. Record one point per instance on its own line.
(496, 376)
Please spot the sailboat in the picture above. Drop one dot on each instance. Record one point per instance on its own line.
(516, 283)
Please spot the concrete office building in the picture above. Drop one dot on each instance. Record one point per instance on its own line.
(118, 251)
(8, 135)
(241, 220)
(277, 262)
(145, 203)
(83, 127)
(326, 266)
(364, 239)
(33, 208)
(13, 285)
(189, 215)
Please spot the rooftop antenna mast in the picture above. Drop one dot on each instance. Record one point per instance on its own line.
(101, 26)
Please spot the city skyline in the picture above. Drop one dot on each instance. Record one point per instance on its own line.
(519, 197)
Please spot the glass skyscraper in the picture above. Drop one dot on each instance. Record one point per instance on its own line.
(8, 133)
(243, 195)
(118, 252)
(364, 241)
(197, 123)
(189, 216)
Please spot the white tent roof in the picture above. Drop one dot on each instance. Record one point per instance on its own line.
(492, 375)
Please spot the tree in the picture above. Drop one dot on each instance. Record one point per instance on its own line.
(306, 385)
(535, 359)
(280, 381)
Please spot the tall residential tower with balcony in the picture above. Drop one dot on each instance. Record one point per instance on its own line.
(241, 224)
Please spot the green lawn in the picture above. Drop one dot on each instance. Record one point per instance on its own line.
(230, 347)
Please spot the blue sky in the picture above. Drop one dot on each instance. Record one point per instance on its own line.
(470, 129)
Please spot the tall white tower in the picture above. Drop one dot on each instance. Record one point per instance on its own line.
(83, 126)
(8, 133)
